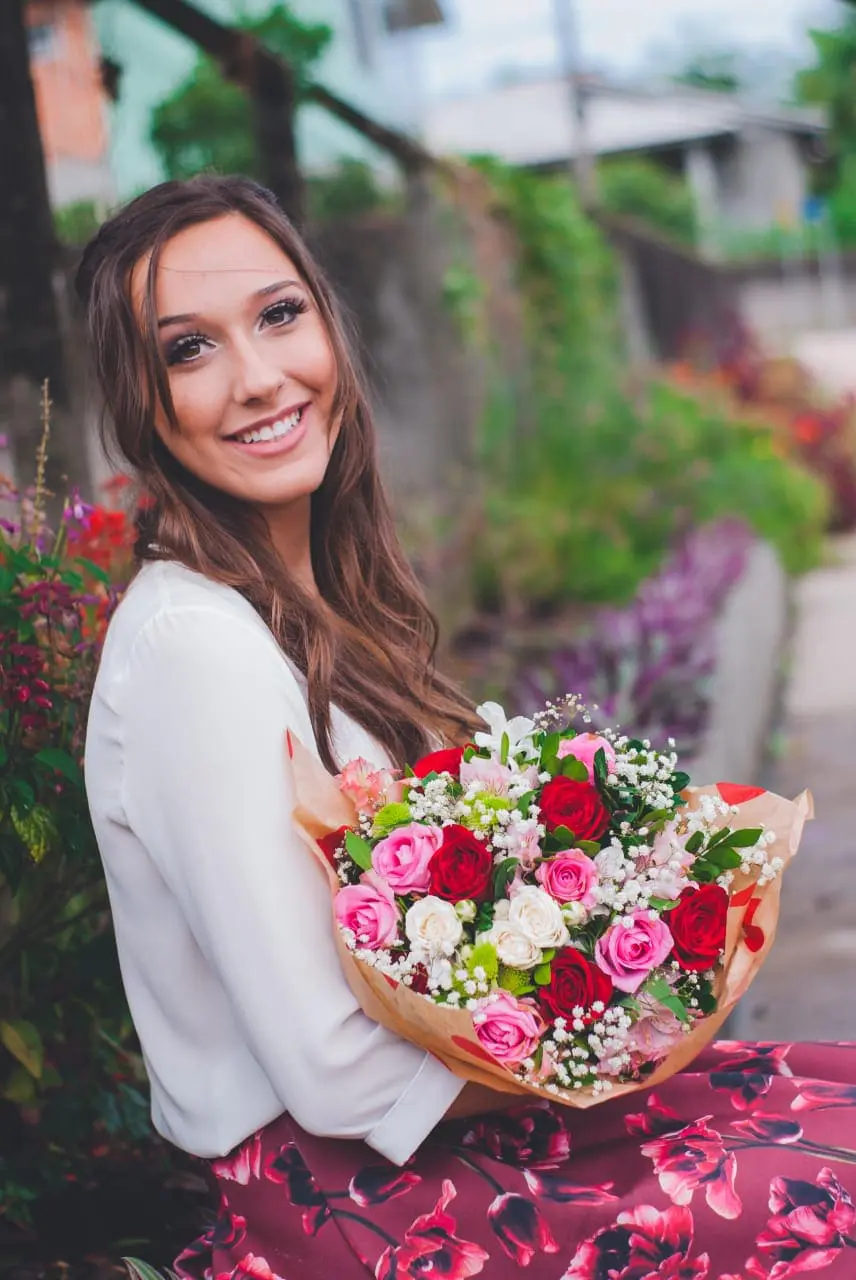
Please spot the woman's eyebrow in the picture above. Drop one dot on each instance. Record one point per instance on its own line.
(164, 321)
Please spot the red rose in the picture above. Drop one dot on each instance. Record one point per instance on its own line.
(448, 761)
(574, 983)
(697, 925)
(462, 867)
(331, 842)
(576, 805)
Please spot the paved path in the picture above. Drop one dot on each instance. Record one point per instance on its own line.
(808, 987)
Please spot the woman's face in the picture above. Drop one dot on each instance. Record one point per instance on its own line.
(251, 369)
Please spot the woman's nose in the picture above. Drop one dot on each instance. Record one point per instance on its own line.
(257, 375)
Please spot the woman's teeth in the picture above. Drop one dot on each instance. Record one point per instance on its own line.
(275, 432)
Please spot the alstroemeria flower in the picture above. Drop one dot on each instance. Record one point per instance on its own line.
(519, 732)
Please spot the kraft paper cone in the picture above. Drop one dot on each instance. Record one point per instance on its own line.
(448, 1033)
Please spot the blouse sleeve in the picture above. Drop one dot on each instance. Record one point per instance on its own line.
(207, 703)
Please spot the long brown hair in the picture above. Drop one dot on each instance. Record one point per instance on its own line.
(368, 645)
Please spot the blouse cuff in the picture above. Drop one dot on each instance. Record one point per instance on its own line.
(423, 1105)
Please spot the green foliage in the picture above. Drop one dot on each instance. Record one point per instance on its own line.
(583, 499)
(206, 125)
(830, 83)
(70, 1080)
(643, 189)
(350, 189)
(76, 223)
(717, 71)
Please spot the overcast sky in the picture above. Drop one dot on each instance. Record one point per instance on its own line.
(484, 36)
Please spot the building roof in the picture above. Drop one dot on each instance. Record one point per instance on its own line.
(530, 123)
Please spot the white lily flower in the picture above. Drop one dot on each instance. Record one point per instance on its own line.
(519, 732)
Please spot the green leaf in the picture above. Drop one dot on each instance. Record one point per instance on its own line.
(591, 847)
(503, 875)
(24, 1043)
(695, 842)
(662, 904)
(94, 570)
(359, 850)
(62, 762)
(660, 990)
(725, 859)
(601, 769)
(4, 754)
(680, 781)
(745, 838)
(19, 1088)
(574, 769)
(543, 974)
(565, 837)
(524, 803)
(550, 753)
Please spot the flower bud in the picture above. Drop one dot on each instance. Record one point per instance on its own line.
(465, 910)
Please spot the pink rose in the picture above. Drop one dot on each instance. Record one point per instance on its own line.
(585, 747)
(570, 877)
(369, 912)
(628, 952)
(365, 786)
(509, 1029)
(401, 860)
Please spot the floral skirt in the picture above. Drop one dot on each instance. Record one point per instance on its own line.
(741, 1168)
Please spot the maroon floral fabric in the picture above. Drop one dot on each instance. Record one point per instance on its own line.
(741, 1168)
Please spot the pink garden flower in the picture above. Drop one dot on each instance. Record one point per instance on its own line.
(402, 859)
(632, 947)
(491, 776)
(570, 877)
(509, 1029)
(585, 747)
(369, 912)
(365, 786)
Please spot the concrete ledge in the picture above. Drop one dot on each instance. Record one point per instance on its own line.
(751, 635)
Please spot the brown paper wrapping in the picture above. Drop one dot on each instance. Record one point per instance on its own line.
(448, 1033)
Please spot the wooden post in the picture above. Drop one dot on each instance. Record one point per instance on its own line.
(268, 81)
(30, 342)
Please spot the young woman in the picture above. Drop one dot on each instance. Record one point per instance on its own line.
(272, 595)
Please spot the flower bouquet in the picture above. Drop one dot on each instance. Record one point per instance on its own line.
(549, 911)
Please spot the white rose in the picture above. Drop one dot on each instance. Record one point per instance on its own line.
(513, 948)
(433, 927)
(539, 916)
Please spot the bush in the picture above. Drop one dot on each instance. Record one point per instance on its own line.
(645, 190)
(582, 498)
(598, 507)
(70, 1079)
(783, 400)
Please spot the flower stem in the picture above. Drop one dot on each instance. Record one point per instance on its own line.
(364, 1222)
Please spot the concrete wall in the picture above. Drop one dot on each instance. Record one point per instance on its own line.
(780, 301)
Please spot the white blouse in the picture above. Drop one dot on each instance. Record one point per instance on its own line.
(223, 918)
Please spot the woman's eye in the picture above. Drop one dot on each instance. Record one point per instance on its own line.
(283, 313)
(184, 350)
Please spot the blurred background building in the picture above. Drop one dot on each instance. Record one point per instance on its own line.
(65, 61)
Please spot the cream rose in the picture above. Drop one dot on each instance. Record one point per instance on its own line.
(539, 916)
(433, 927)
(512, 946)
